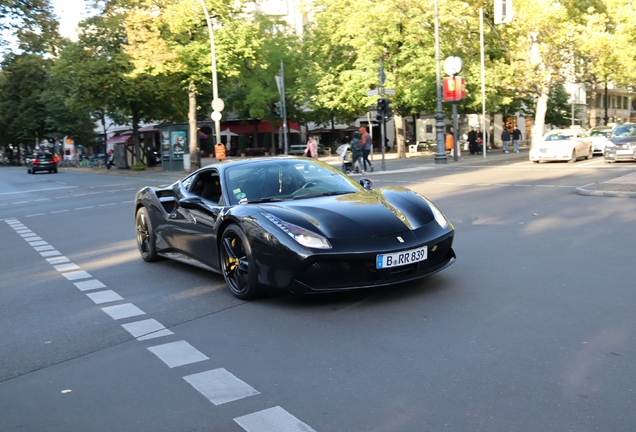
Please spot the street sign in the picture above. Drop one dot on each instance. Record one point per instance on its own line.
(216, 116)
(217, 104)
(389, 92)
(372, 93)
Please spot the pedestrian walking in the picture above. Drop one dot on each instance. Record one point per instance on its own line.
(473, 146)
(312, 148)
(516, 136)
(366, 149)
(356, 152)
(505, 137)
(450, 141)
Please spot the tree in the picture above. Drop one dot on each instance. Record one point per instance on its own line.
(32, 22)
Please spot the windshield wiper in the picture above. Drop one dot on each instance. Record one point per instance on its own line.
(262, 200)
(322, 194)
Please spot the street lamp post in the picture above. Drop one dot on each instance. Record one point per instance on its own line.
(215, 90)
(440, 156)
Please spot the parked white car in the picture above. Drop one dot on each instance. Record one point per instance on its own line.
(599, 136)
(563, 145)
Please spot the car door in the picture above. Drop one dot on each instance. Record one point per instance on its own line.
(585, 143)
(196, 218)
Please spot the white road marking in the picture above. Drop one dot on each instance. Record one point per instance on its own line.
(126, 310)
(272, 420)
(219, 386)
(44, 248)
(42, 199)
(146, 329)
(178, 353)
(523, 185)
(104, 205)
(50, 253)
(81, 274)
(32, 237)
(89, 285)
(544, 186)
(37, 190)
(59, 211)
(34, 215)
(38, 243)
(57, 260)
(66, 267)
(106, 296)
(84, 208)
(127, 202)
(20, 202)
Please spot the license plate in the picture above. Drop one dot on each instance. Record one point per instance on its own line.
(401, 258)
(624, 152)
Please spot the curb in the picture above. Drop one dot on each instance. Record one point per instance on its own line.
(605, 193)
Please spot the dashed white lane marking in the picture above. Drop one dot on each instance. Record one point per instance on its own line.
(66, 267)
(219, 386)
(178, 353)
(126, 310)
(58, 260)
(59, 211)
(37, 190)
(146, 329)
(272, 420)
(106, 205)
(34, 215)
(80, 274)
(89, 285)
(84, 208)
(106, 296)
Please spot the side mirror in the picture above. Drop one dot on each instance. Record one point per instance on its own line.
(366, 183)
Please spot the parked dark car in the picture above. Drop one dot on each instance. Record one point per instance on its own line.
(292, 224)
(621, 145)
(42, 162)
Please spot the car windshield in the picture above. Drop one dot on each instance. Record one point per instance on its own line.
(280, 179)
(602, 132)
(560, 136)
(624, 131)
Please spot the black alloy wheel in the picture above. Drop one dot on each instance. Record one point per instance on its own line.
(145, 236)
(237, 264)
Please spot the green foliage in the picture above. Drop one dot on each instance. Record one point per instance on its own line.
(559, 111)
(138, 166)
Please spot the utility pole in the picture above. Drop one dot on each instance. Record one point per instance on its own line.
(284, 106)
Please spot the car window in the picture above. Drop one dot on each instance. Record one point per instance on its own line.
(624, 131)
(559, 136)
(285, 179)
(603, 133)
(207, 185)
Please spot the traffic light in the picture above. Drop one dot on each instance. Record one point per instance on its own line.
(388, 113)
(382, 104)
(276, 109)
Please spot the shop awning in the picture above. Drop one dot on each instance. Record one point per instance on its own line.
(118, 139)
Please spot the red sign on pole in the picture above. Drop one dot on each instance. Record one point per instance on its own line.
(454, 89)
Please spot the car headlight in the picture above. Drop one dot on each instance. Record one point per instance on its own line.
(439, 217)
(303, 236)
(609, 144)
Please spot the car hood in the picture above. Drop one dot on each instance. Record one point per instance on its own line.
(363, 214)
(624, 140)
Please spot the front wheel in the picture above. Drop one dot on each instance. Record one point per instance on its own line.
(237, 264)
(145, 236)
(591, 154)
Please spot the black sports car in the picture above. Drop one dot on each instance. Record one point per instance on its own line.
(295, 224)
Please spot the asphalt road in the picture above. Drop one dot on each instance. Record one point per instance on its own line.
(531, 329)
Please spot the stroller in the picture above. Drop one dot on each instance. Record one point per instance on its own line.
(344, 153)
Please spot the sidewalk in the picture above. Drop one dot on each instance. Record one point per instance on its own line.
(623, 187)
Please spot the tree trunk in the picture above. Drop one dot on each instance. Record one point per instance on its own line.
(592, 106)
(192, 162)
(539, 118)
(135, 124)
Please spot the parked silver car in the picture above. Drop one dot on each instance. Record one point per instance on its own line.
(562, 145)
(621, 144)
(599, 136)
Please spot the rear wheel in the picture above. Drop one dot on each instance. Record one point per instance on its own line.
(573, 158)
(237, 264)
(591, 154)
(145, 236)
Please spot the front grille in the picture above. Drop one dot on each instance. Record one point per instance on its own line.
(332, 274)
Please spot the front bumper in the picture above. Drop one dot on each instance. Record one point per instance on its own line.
(617, 154)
